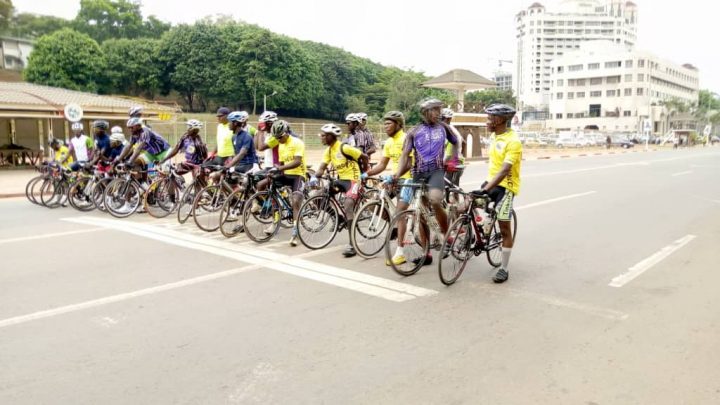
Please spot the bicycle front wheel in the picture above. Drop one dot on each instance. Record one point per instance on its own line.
(80, 196)
(98, 193)
(317, 222)
(207, 207)
(495, 240)
(369, 227)
(52, 193)
(406, 253)
(261, 217)
(185, 206)
(122, 198)
(161, 198)
(456, 250)
(231, 217)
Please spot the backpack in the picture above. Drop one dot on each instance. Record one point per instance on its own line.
(363, 166)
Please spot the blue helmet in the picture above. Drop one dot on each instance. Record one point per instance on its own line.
(238, 116)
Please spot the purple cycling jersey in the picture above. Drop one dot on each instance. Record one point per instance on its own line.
(154, 143)
(428, 144)
(195, 149)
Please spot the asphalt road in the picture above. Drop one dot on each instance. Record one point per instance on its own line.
(612, 299)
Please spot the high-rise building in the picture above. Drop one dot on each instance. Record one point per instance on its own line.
(543, 35)
(504, 80)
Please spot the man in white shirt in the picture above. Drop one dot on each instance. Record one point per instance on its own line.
(81, 146)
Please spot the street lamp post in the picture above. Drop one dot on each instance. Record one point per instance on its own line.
(265, 96)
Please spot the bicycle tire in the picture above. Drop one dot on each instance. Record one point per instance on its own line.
(184, 209)
(29, 189)
(494, 255)
(98, 193)
(50, 193)
(263, 223)
(207, 206)
(165, 201)
(231, 218)
(315, 214)
(457, 243)
(84, 203)
(369, 225)
(118, 205)
(410, 242)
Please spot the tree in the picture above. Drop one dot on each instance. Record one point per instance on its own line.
(26, 25)
(132, 66)
(106, 19)
(66, 59)
(6, 12)
(490, 96)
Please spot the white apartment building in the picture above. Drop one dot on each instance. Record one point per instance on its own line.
(504, 80)
(614, 88)
(543, 35)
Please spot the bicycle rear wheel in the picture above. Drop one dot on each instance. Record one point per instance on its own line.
(161, 198)
(458, 245)
(207, 207)
(317, 222)
(79, 198)
(261, 217)
(185, 206)
(52, 193)
(122, 198)
(413, 252)
(495, 240)
(231, 218)
(369, 227)
(98, 193)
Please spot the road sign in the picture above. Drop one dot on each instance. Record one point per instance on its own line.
(708, 130)
(647, 126)
(73, 112)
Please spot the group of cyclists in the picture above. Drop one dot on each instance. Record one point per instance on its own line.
(427, 155)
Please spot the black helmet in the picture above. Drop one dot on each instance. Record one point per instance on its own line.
(502, 110)
(395, 116)
(430, 103)
(101, 124)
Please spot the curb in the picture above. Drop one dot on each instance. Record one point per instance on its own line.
(12, 195)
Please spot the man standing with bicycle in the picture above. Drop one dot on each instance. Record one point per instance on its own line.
(426, 143)
(503, 181)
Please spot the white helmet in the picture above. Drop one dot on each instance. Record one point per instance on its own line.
(446, 113)
(117, 137)
(362, 116)
(77, 126)
(135, 111)
(116, 130)
(268, 116)
(352, 117)
(331, 129)
(194, 124)
(134, 121)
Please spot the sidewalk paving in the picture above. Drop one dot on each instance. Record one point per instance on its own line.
(12, 182)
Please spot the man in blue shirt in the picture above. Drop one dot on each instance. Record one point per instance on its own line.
(245, 155)
(102, 143)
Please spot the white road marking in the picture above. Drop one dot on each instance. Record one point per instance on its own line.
(646, 264)
(554, 200)
(49, 235)
(295, 265)
(682, 173)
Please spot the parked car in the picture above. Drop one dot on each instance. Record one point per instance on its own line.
(623, 142)
(714, 139)
(532, 139)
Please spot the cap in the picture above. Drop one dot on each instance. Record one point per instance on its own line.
(223, 111)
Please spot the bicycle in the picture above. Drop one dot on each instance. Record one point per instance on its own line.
(371, 222)
(163, 195)
(466, 237)
(53, 192)
(33, 186)
(185, 205)
(232, 211)
(124, 194)
(208, 203)
(80, 194)
(265, 211)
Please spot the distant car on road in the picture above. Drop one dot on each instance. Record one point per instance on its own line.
(623, 142)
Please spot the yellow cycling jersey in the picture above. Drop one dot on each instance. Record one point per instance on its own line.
(506, 148)
(393, 150)
(288, 151)
(347, 169)
(60, 155)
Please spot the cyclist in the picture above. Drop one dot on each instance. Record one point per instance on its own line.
(455, 166)
(223, 146)
(102, 143)
(503, 181)
(117, 144)
(289, 170)
(192, 144)
(145, 144)
(62, 156)
(393, 123)
(135, 111)
(264, 141)
(357, 137)
(367, 135)
(245, 158)
(347, 160)
(81, 146)
(426, 143)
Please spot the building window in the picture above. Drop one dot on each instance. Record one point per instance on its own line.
(559, 96)
(628, 92)
(558, 116)
(627, 113)
(571, 95)
(641, 63)
(596, 94)
(595, 80)
(571, 82)
(640, 91)
(580, 94)
(629, 63)
(575, 68)
(628, 78)
(641, 77)
(569, 115)
(613, 79)
(580, 82)
(560, 82)
(610, 93)
(560, 69)
(594, 66)
(611, 65)
(595, 110)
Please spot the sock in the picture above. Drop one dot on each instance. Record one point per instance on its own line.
(506, 257)
(399, 251)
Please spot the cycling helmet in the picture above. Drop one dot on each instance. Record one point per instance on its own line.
(430, 103)
(194, 124)
(101, 124)
(54, 141)
(237, 116)
(134, 121)
(135, 111)
(395, 116)
(280, 128)
(331, 129)
(268, 116)
(352, 117)
(446, 113)
(77, 126)
(362, 116)
(117, 137)
(116, 130)
(502, 110)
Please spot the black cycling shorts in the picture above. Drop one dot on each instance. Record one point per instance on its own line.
(434, 179)
(295, 181)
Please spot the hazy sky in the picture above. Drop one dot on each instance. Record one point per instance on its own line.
(452, 34)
